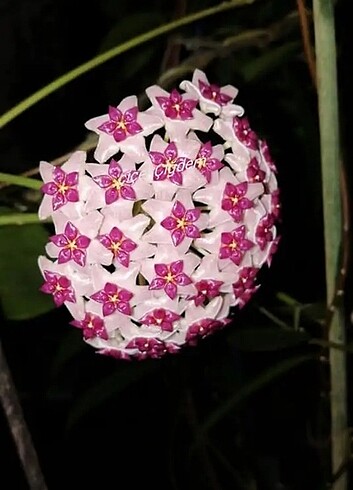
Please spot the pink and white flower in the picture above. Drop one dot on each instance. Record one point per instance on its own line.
(178, 111)
(177, 223)
(163, 234)
(74, 240)
(212, 98)
(64, 187)
(124, 129)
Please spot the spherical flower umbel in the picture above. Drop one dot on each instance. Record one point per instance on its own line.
(161, 235)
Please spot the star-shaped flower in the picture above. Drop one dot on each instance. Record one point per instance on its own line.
(121, 125)
(240, 137)
(91, 326)
(113, 298)
(166, 164)
(169, 273)
(124, 243)
(151, 348)
(208, 160)
(72, 245)
(177, 222)
(117, 292)
(66, 284)
(212, 98)
(62, 187)
(169, 277)
(124, 128)
(171, 167)
(117, 184)
(236, 199)
(177, 107)
(203, 328)
(59, 286)
(178, 111)
(210, 281)
(245, 286)
(181, 223)
(160, 318)
(234, 245)
(119, 245)
(253, 172)
(200, 317)
(74, 240)
(265, 231)
(114, 183)
(244, 133)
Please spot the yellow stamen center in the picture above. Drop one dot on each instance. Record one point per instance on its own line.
(114, 298)
(117, 184)
(169, 164)
(181, 223)
(121, 125)
(233, 245)
(115, 247)
(169, 277)
(72, 245)
(63, 188)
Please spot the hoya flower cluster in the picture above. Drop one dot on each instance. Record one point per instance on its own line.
(163, 230)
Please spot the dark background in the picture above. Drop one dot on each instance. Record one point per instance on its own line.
(100, 423)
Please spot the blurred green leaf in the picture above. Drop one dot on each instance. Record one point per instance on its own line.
(105, 389)
(270, 60)
(260, 339)
(20, 277)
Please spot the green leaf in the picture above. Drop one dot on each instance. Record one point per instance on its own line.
(20, 278)
(105, 389)
(266, 339)
(269, 61)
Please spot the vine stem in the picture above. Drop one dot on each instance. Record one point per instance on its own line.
(20, 219)
(326, 74)
(111, 53)
(21, 181)
(21, 436)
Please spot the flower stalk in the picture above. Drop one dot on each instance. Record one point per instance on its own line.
(325, 47)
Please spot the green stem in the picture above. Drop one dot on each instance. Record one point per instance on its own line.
(19, 219)
(325, 47)
(111, 53)
(21, 181)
